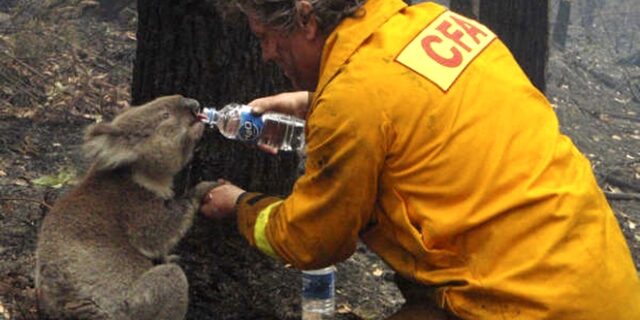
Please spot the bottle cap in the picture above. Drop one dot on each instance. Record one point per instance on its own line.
(208, 115)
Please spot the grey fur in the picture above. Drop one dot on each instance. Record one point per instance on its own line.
(96, 247)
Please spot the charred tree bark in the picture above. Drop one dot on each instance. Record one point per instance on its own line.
(523, 25)
(184, 47)
(465, 7)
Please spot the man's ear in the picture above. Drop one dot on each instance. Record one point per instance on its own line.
(307, 20)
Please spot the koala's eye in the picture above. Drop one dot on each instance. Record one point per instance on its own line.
(166, 115)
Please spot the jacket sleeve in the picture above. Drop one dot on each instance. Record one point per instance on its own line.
(319, 223)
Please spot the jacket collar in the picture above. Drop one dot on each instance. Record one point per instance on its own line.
(350, 34)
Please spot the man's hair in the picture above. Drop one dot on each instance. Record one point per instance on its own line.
(285, 14)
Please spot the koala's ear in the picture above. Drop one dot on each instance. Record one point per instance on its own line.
(106, 145)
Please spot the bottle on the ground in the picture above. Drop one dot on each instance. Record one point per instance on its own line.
(276, 131)
(318, 293)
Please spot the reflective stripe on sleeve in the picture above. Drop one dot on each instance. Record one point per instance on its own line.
(259, 231)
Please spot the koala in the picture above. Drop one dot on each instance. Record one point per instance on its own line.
(102, 250)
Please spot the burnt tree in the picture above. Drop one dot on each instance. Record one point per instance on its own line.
(523, 25)
(465, 7)
(560, 29)
(185, 47)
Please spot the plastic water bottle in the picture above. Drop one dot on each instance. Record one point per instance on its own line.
(318, 293)
(276, 131)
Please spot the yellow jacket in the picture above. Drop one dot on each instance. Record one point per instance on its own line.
(428, 142)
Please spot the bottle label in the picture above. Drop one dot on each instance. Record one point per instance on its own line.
(318, 286)
(250, 126)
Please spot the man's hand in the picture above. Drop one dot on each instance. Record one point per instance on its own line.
(220, 202)
(292, 103)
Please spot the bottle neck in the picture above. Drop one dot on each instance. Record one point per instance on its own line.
(212, 116)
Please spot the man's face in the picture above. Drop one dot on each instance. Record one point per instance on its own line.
(297, 53)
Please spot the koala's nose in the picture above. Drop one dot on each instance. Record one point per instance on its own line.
(192, 104)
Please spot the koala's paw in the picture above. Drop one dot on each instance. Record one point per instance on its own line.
(202, 188)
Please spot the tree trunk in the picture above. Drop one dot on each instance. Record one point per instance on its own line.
(561, 26)
(467, 8)
(184, 47)
(523, 25)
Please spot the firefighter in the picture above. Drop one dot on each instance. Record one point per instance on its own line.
(427, 141)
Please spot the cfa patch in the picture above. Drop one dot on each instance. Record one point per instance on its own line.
(445, 48)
